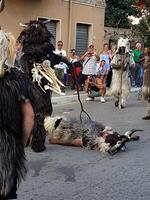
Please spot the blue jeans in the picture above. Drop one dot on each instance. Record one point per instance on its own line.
(65, 78)
(139, 71)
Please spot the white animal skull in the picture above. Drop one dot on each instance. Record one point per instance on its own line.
(123, 42)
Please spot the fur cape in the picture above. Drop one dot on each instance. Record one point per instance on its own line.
(37, 47)
(120, 85)
(14, 88)
(146, 81)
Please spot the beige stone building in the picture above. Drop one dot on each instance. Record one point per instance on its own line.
(77, 23)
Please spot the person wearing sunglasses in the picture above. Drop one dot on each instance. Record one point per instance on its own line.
(59, 50)
(61, 68)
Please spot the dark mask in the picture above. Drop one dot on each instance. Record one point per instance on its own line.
(121, 50)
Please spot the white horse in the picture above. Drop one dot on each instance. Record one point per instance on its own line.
(122, 60)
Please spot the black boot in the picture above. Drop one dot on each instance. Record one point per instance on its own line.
(38, 134)
(116, 103)
(147, 117)
(122, 107)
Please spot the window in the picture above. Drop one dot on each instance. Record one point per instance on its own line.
(82, 37)
(51, 26)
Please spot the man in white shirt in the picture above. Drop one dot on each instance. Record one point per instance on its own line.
(59, 51)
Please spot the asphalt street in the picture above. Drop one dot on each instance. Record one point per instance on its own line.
(71, 173)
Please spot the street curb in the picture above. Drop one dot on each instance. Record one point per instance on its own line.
(73, 98)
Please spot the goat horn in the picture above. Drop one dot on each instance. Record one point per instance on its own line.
(23, 25)
(130, 133)
(47, 21)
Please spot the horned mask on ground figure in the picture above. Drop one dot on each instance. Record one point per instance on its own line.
(91, 134)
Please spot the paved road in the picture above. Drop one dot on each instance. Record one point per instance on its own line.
(69, 173)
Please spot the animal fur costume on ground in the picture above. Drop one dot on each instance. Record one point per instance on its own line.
(146, 86)
(120, 85)
(15, 88)
(37, 48)
(90, 134)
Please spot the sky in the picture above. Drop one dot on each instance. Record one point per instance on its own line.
(135, 20)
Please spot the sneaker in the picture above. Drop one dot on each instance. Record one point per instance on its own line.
(90, 99)
(75, 93)
(102, 99)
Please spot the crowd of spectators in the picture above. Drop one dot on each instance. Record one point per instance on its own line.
(93, 70)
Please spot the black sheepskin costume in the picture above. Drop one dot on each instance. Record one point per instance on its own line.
(14, 88)
(37, 47)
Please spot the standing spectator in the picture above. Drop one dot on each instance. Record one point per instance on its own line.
(73, 56)
(111, 54)
(142, 59)
(105, 55)
(146, 84)
(112, 51)
(76, 68)
(60, 51)
(138, 67)
(101, 76)
(89, 59)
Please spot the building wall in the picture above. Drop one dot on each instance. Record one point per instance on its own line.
(111, 35)
(18, 11)
(115, 33)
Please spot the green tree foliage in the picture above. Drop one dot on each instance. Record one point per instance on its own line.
(143, 28)
(117, 12)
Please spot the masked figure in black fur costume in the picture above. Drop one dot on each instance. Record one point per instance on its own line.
(37, 48)
(16, 118)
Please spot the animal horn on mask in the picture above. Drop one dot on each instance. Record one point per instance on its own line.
(2, 5)
(129, 134)
(23, 25)
(46, 21)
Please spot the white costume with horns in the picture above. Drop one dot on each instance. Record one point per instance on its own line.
(120, 85)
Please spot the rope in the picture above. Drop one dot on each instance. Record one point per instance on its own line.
(78, 93)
